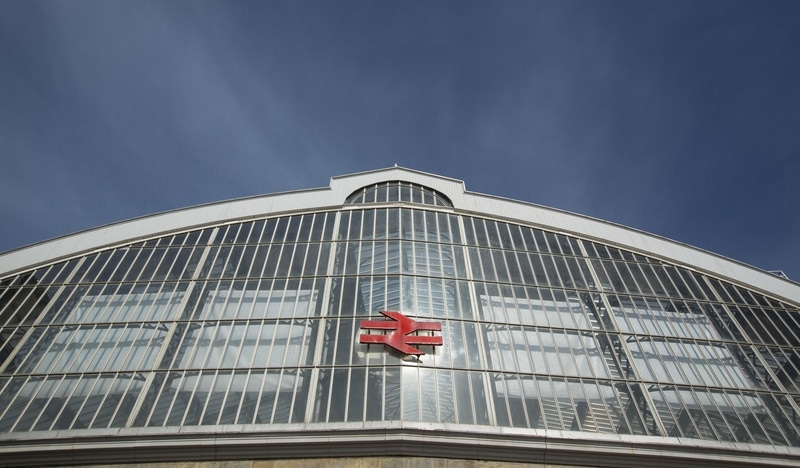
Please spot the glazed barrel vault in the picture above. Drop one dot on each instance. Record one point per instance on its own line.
(279, 327)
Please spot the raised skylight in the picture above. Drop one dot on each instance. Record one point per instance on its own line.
(398, 191)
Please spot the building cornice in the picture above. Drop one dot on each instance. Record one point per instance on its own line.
(381, 439)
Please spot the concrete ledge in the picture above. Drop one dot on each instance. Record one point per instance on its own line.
(382, 440)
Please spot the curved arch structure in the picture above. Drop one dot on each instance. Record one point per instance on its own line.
(235, 327)
(398, 191)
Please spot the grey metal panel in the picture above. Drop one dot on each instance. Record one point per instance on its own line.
(236, 442)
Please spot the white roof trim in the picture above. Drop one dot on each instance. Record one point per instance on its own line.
(342, 186)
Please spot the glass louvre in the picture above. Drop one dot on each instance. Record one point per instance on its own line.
(258, 322)
(397, 191)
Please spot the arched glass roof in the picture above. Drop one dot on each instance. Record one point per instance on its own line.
(239, 327)
(398, 191)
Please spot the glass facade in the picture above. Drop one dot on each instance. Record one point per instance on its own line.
(257, 322)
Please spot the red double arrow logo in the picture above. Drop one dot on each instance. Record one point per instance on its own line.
(399, 338)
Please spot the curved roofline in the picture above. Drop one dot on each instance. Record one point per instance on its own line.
(158, 213)
(334, 196)
(406, 169)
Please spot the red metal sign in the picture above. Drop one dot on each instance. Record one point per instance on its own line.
(399, 338)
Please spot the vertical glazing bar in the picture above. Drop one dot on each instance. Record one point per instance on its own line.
(623, 350)
(475, 306)
(12, 355)
(171, 332)
(325, 299)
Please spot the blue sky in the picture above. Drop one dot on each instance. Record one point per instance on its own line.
(680, 118)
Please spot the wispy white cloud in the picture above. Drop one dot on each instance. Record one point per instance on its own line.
(675, 118)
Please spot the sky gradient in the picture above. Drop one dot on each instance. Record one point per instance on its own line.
(679, 118)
